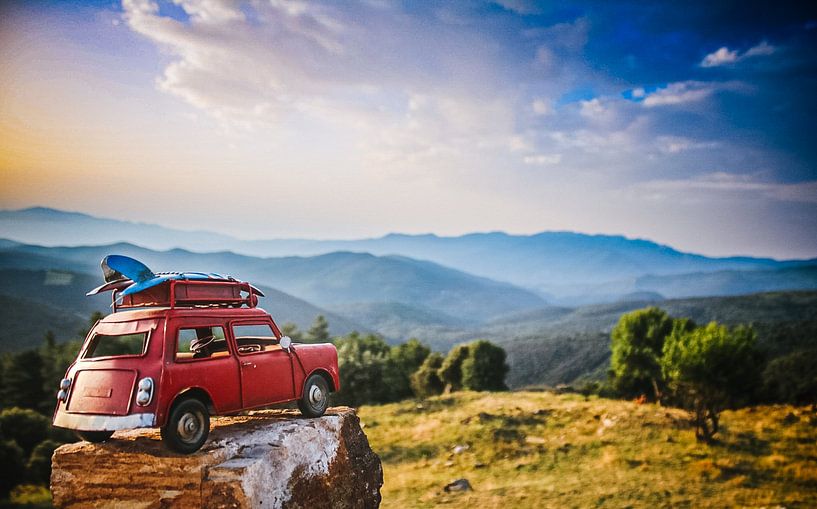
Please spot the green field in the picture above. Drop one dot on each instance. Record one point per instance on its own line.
(538, 449)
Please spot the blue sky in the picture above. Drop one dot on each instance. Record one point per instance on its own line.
(691, 124)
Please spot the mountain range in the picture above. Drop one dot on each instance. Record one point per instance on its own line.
(561, 267)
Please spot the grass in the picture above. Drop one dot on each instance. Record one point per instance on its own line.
(538, 449)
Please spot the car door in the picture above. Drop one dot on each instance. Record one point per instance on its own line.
(266, 368)
(213, 367)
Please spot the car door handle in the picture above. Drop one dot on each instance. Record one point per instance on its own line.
(248, 363)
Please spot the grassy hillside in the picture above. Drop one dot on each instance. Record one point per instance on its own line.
(524, 449)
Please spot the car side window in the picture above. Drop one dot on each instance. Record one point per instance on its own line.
(252, 338)
(206, 342)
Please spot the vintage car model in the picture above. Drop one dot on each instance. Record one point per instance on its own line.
(180, 347)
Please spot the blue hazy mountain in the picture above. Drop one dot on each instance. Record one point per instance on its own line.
(333, 279)
(564, 267)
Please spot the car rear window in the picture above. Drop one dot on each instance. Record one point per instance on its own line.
(116, 345)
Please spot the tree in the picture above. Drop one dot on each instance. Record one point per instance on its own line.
(404, 360)
(363, 363)
(23, 383)
(792, 378)
(39, 463)
(425, 381)
(290, 329)
(636, 343)
(25, 426)
(319, 331)
(451, 370)
(484, 368)
(709, 369)
(11, 466)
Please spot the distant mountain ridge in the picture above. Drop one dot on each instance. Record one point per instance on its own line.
(325, 280)
(564, 267)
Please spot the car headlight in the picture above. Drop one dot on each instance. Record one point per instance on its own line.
(144, 394)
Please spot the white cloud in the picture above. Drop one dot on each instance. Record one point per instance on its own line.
(678, 144)
(679, 93)
(542, 107)
(723, 182)
(543, 159)
(720, 57)
(725, 56)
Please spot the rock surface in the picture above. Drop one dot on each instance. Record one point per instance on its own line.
(270, 458)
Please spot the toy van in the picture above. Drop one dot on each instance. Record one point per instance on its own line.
(178, 350)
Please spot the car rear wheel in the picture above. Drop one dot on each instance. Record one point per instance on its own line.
(187, 427)
(315, 398)
(94, 436)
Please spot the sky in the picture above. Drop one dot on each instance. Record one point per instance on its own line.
(687, 123)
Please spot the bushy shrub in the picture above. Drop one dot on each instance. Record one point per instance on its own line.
(709, 369)
(24, 426)
(484, 369)
(792, 378)
(425, 381)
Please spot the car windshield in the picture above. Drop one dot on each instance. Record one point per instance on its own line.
(116, 345)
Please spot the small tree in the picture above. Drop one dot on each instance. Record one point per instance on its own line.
(319, 331)
(39, 464)
(290, 329)
(425, 381)
(363, 363)
(24, 426)
(792, 378)
(404, 360)
(485, 368)
(12, 465)
(636, 343)
(23, 383)
(709, 369)
(451, 370)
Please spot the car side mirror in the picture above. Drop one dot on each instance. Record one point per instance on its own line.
(285, 342)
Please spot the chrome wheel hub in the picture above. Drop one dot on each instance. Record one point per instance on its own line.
(315, 395)
(190, 427)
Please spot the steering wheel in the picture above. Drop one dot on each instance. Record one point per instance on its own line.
(249, 348)
(199, 344)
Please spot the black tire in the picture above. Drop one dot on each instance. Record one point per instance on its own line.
(94, 436)
(187, 426)
(315, 399)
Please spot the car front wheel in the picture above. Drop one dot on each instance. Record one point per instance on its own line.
(315, 398)
(187, 427)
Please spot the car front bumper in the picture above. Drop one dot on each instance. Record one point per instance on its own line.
(90, 422)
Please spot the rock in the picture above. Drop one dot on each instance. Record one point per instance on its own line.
(458, 485)
(459, 449)
(272, 458)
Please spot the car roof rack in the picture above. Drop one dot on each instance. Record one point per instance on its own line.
(134, 285)
(177, 293)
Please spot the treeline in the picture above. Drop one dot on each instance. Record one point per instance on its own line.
(28, 383)
(704, 369)
(372, 371)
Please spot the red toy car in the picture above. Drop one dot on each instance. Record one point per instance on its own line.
(178, 350)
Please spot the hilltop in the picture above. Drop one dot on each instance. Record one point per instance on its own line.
(537, 449)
